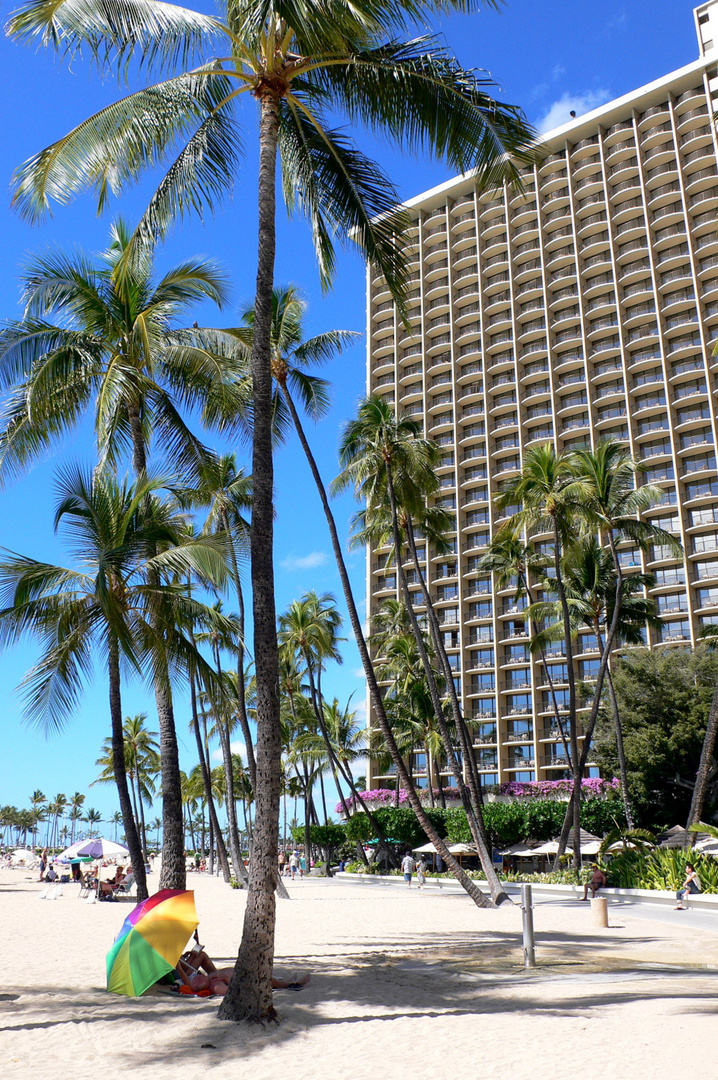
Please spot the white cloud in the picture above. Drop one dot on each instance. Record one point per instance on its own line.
(236, 748)
(358, 673)
(560, 112)
(304, 562)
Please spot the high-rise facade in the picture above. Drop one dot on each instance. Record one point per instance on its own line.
(583, 307)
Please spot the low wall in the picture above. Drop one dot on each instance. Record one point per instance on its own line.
(661, 897)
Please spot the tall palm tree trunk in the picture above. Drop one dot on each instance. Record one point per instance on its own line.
(706, 763)
(606, 646)
(470, 791)
(376, 699)
(241, 687)
(118, 765)
(620, 750)
(573, 811)
(207, 783)
(173, 874)
(250, 991)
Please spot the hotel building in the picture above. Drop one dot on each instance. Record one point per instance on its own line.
(582, 308)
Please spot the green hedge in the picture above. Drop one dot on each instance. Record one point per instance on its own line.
(506, 823)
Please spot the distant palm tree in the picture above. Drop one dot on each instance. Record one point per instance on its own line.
(391, 468)
(93, 818)
(115, 821)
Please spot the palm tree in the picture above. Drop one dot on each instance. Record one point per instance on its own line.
(388, 465)
(112, 341)
(296, 62)
(115, 822)
(76, 803)
(112, 604)
(143, 765)
(227, 492)
(94, 817)
(90, 338)
(590, 582)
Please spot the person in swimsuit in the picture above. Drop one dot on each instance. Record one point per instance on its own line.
(199, 972)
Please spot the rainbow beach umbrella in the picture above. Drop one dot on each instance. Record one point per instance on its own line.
(151, 941)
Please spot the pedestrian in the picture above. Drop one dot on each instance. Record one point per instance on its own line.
(293, 863)
(43, 863)
(692, 884)
(598, 881)
(421, 873)
(302, 865)
(282, 860)
(407, 868)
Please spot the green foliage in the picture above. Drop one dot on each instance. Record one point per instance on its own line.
(324, 836)
(663, 698)
(536, 819)
(397, 823)
(663, 868)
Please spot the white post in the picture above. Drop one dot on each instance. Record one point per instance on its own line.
(528, 926)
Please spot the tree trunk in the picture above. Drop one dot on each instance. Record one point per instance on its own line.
(621, 750)
(573, 812)
(241, 688)
(478, 834)
(173, 874)
(706, 763)
(207, 784)
(118, 766)
(249, 996)
(378, 705)
(472, 789)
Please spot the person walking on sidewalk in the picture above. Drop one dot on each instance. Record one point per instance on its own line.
(407, 868)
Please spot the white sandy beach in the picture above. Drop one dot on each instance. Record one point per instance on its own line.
(405, 984)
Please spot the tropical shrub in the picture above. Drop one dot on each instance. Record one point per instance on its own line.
(663, 868)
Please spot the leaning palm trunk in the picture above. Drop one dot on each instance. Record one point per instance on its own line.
(118, 765)
(376, 699)
(250, 991)
(337, 765)
(706, 763)
(479, 841)
(471, 791)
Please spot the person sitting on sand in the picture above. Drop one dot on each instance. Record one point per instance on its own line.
(198, 972)
(598, 881)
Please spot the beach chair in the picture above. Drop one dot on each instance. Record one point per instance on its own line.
(87, 886)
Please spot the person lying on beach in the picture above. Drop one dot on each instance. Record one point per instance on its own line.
(198, 972)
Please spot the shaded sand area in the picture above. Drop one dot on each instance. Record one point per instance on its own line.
(405, 984)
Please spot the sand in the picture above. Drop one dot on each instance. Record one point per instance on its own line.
(405, 984)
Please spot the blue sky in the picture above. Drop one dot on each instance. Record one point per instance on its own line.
(547, 57)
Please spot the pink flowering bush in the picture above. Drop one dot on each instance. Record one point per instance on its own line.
(547, 789)
(592, 786)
